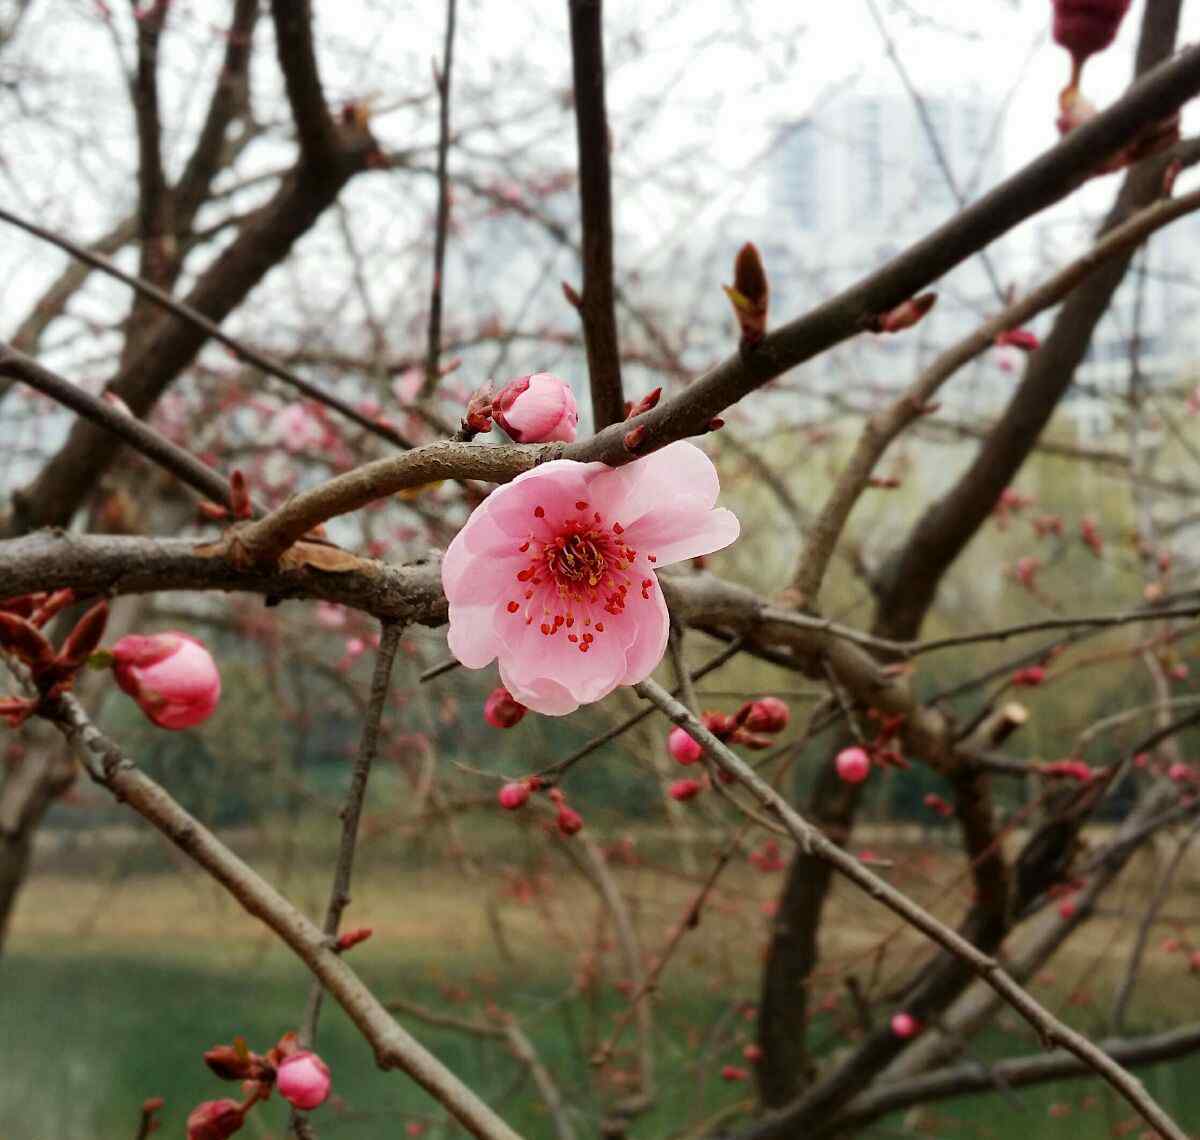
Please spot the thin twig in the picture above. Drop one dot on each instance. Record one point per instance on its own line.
(186, 312)
(433, 352)
(351, 814)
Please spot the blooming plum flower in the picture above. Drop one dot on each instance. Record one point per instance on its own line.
(171, 676)
(537, 409)
(303, 1080)
(853, 765)
(554, 573)
(501, 711)
(683, 746)
(298, 428)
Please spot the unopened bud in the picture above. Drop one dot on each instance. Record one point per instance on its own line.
(904, 315)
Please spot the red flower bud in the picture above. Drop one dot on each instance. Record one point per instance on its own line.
(733, 1073)
(501, 711)
(352, 938)
(513, 796)
(1085, 27)
(853, 764)
(684, 790)
(683, 747)
(904, 315)
(215, 1120)
(767, 714)
(569, 820)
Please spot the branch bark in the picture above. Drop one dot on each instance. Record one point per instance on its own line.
(597, 307)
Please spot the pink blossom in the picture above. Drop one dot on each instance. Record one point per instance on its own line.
(215, 1120)
(330, 615)
(537, 409)
(501, 711)
(172, 677)
(853, 765)
(554, 573)
(303, 1080)
(904, 1025)
(298, 428)
(1179, 773)
(569, 820)
(681, 745)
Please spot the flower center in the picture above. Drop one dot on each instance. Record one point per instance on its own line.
(577, 576)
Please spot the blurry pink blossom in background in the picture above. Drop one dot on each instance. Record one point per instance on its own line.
(554, 573)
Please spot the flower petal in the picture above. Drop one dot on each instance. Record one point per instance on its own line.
(679, 469)
(650, 642)
(673, 533)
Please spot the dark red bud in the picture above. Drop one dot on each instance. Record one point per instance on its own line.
(84, 638)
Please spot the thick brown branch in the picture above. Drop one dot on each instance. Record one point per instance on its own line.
(598, 308)
(298, 61)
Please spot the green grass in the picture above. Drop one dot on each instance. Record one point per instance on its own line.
(85, 1039)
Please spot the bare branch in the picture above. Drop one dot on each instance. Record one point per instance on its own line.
(598, 305)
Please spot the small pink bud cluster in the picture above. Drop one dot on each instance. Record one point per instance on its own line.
(1028, 677)
(938, 806)
(171, 676)
(1069, 770)
(1011, 502)
(301, 1077)
(752, 726)
(853, 764)
(569, 822)
(51, 671)
(500, 710)
(768, 857)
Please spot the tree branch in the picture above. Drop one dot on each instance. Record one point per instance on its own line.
(315, 127)
(597, 307)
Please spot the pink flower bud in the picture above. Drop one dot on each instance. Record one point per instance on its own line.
(904, 1025)
(1085, 27)
(303, 1080)
(733, 1073)
(853, 765)
(1023, 339)
(684, 790)
(501, 711)
(1180, 773)
(1029, 677)
(569, 820)
(513, 796)
(215, 1120)
(171, 676)
(935, 803)
(767, 714)
(683, 747)
(537, 409)
(1067, 909)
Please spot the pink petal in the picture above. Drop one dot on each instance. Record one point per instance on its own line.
(682, 530)
(626, 493)
(650, 641)
(471, 637)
